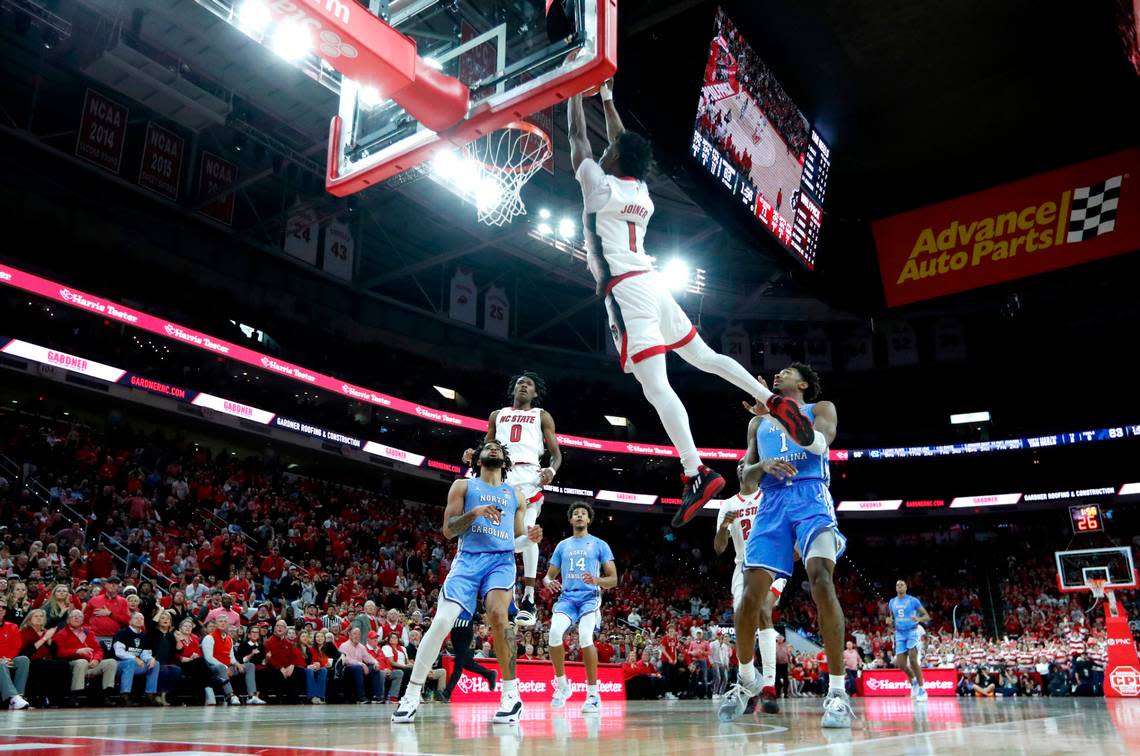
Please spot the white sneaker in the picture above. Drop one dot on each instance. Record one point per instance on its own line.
(406, 710)
(235, 701)
(18, 703)
(562, 694)
(914, 690)
(921, 695)
(593, 705)
(255, 701)
(211, 699)
(669, 697)
(510, 709)
(837, 711)
(736, 701)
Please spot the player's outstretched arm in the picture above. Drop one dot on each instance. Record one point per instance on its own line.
(469, 454)
(752, 456)
(550, 439)
(614, 126)
(579, 141)
(723, 528)
(826, 421)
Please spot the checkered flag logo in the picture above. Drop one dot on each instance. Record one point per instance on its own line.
(1094, 210)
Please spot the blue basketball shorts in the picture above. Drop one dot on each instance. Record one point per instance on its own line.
(474, 575)
(576, 606)
(905, 640)
(790, 517)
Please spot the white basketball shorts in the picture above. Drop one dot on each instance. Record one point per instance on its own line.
(776, 590)
(645, 320)
(526, 479)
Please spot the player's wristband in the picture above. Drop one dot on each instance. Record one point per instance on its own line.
(818, 444)
(606, 93)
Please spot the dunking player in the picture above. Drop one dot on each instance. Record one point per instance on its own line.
(734, 522)
(905, 614)
(586, 565)
(796, 513)
(525, 430)
(645, 320)
(485, 513)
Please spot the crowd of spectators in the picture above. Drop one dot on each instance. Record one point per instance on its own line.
(230, 580)
(757, 79)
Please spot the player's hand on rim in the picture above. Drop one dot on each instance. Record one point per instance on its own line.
(778, 468)
(490, 511)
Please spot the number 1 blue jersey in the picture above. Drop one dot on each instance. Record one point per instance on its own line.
(575, 557)
(772, 442)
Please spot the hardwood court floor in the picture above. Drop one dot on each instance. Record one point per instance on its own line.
(884, 727)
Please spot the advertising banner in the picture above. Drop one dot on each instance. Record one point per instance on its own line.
(1065, 217)
(536, 681)
(877, 683)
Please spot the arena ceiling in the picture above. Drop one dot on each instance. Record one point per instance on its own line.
(921, 101)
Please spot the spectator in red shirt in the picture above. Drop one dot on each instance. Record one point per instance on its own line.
(398, 665)
(99, 563)
(13, 665)
(642, 680)
(285, 662)
(108, 612)
(78, 645)
(272, 567)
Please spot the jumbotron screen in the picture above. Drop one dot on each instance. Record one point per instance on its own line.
(754, 140)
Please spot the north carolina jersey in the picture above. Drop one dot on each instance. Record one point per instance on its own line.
(773, 442)
(745, 508)
(905, 612)
(616, 212)
(485, 536)
(575, 558)
(520, 431)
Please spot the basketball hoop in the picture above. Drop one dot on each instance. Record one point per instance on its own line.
(1099, 588)
(505, 160)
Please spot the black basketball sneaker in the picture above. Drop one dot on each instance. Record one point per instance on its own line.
(699, 489)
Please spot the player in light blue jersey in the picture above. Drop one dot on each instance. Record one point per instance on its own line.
(485, 513)
(905, 614)
(586, 565)
(795, 514)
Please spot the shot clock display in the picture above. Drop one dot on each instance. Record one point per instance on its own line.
(1086, 518)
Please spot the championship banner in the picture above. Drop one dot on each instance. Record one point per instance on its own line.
(160, 170)
(217, 175)
(737, 344)
(1065, 217)
(102, 131)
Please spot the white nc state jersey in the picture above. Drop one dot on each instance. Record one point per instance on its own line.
(745, 508)
(521, 432)
(615, 215)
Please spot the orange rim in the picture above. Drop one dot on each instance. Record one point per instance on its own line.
(530, 129)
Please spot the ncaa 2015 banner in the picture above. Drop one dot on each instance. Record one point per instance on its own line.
(1065, 217)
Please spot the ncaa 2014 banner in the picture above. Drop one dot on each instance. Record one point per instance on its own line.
(1065, 217)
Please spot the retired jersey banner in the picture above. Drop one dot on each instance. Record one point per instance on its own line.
(1065, 217)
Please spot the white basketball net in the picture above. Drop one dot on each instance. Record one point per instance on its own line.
(505, 160)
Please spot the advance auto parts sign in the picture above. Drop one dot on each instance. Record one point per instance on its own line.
(1066, 217)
